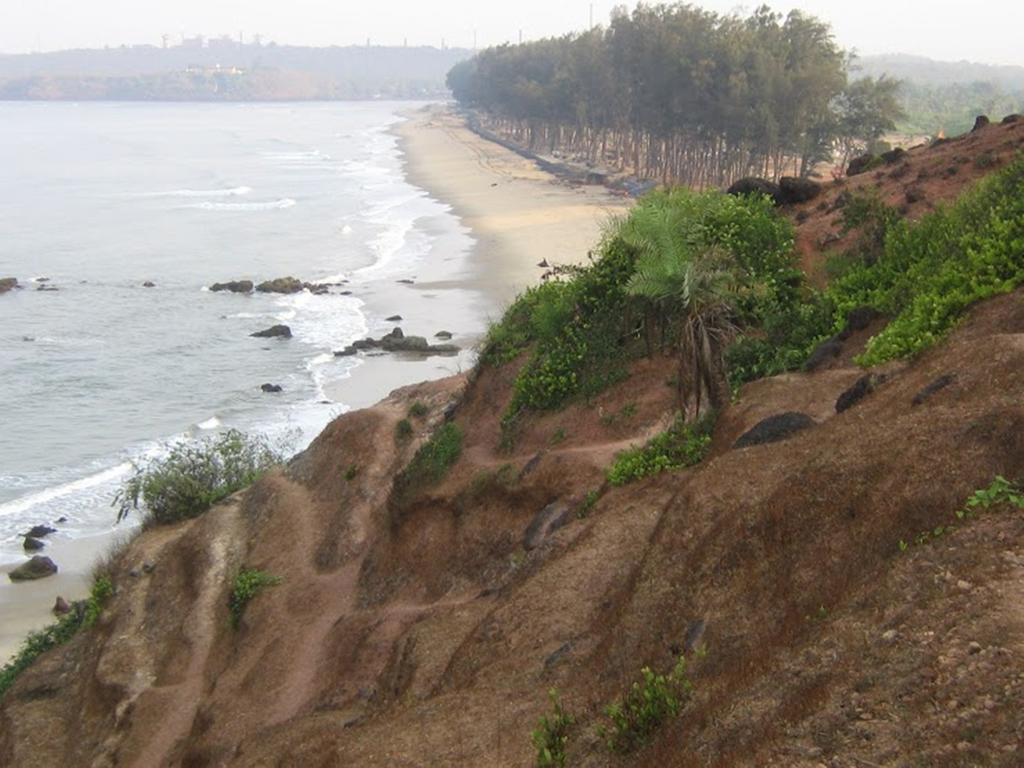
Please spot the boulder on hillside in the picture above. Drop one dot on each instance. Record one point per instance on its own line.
(858, 320)
(794, 190)
(38, 531)
(233, 286)
(281, 285)
(893, 156)
(753, 185)
(544, 523)
(38, 567)
(934, 386)
(775, 428)
(32, 544)
(862, 164)
(8, 284)
(824, 353)
(1015, 118)
(981, 121)
(860, 389)
(273, 332)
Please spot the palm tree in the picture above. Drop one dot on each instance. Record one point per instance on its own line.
(696, 293)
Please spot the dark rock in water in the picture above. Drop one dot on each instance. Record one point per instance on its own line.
(862, 164)
(981, 121)
(861, 388)
(401, 343)
(345, 293)
(60, 520)
(47, 288)
(281, 285)
(858, 320)
(38, 567)
(397, 341)
(753, 185)
(394, 319)
(775, 428)
(893, 156)
(233, 286)
(272, 388)
(1012, 119)
(273, 332)
(28, 338)
(938, 384)
(407, 281)
(444, 349)
(346, 352)
(317, 289)
(824, 353)
(149, 284)
(796, 190)
(38, 531)
(544, 523)
(32, 544)
(396, 333)
(443, 335)
(8, 284)
(60, 606)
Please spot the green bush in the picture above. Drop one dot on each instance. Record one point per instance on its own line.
(552, 734)
(83, 614)
(999, 491)
(247, 584)
(418, 410)
(431, 462)
(932, 271)
(403, 430)
(650, 701)
(194, 476)
(682, 445)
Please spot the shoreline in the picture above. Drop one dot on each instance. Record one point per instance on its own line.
(516, 216)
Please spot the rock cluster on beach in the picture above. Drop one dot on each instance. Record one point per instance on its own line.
(397, 341)
(37, 567)
(285, 285)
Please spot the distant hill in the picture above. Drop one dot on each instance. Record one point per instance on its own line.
(925, 71)
(226, 70)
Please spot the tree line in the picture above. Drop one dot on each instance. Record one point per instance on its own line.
(683, 95)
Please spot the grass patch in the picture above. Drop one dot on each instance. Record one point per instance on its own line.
(83, 614)
(352, 472)
(418, 410)
(1000, 492)
(194, 476)
(247, 584)
(403, 431)
(552, 734)
(431, 462)
(649, 703)
(682, 445)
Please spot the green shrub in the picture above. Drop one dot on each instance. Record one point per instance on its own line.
(588, 503)
(194, 476)
(403, 430)
(83, 614)
(247, 584)
(431, 462)
(418, 410)
(650, 701)
(932, 271)
(352, 472)
(552, 734)
(999, 491)
(682, 445)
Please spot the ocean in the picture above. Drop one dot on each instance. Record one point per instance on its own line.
(98, 198)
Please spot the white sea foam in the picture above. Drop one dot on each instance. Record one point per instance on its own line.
(25, 503)
(270, 205)
(212, 423)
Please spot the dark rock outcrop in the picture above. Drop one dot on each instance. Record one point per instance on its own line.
(272, 388)
(397, 341)
(233, 286)
(273, 332)
(824, 353)
(32, 544)
(981, 121)
(753, 185)
(774, 429)
(858, 320)
(893, 156)
(281, 285)
(1015, 118)
(38, 567)
(934, 386)
(862, 164)
(544, 523)
(860, 389)
(8, 284)
(38, 531)
(796, 190)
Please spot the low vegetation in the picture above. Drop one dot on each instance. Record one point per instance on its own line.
(403, 430)
(682, 445)
(1000, 492)
(650, 702)
(83, 614)
(552, 734)
(431, 462)
(247, 584)
(195, 475)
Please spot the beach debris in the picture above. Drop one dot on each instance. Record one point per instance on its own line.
(8, 284)
(38, 567)
(272, 388)
(394, 319)
(38, 531)
(61, 606)
(233, 286)
(273, 332)
(32, 544)
(281, 285)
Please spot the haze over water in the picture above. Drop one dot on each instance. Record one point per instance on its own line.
(102, 197)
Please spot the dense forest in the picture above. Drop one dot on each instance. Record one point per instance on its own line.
(677, 93)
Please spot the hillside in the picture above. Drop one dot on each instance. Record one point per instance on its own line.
(924, 71)
(832, 606)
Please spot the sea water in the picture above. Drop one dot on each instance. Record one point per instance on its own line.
(103, 373)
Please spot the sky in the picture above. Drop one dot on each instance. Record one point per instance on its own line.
(987, 31)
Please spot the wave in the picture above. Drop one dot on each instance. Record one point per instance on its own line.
(25, 503)
(229, 192)
(286, 202)
(211, 423)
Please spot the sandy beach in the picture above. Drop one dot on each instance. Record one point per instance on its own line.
(517, 215)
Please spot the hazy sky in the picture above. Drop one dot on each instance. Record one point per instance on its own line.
(983, 30)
